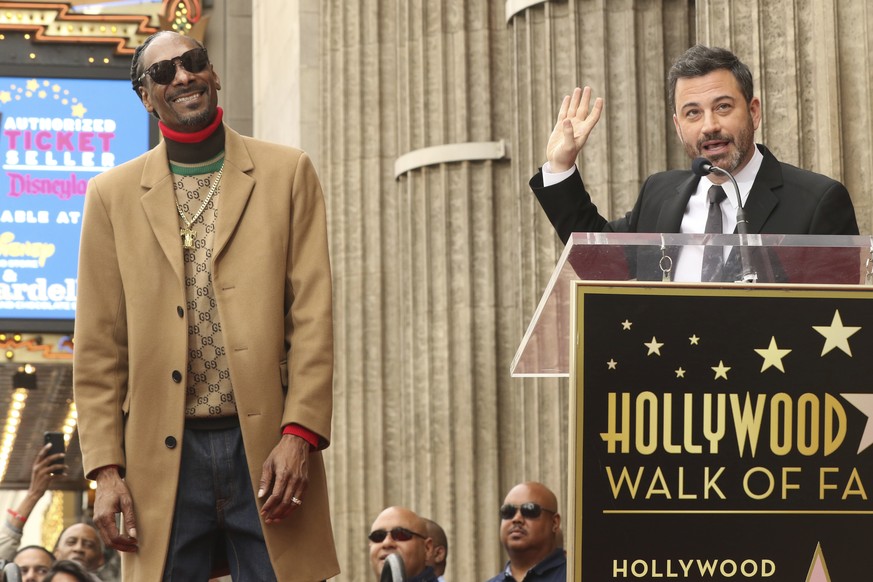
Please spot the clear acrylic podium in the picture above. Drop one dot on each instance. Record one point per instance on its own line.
(785, 259)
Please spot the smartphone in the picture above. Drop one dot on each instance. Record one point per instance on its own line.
(56, 440)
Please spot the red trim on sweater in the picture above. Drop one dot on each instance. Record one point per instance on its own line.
(197, 136)
(303, 433)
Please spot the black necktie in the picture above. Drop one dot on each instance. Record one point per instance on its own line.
(713, 256)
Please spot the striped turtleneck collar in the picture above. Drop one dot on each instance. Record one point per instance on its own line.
(198, 147)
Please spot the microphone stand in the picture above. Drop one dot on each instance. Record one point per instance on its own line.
(702, 167)
(749, 274)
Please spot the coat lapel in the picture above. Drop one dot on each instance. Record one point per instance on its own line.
(159, 204)
(762, 201)
(159, 201)
(673, 208)
(235, 190)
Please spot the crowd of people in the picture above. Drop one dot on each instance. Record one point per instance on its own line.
(78, 551)
(530, 532)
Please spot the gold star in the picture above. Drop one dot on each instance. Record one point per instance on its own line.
(720, 371)
(694, 340)
(78, 110)
(5, 96)
(772, 356)
(680, 373)
(32, 85)
(612, 364)
(836, 335)
(626, 324)
(654, 346)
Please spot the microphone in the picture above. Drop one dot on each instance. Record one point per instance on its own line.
(393, 569)
(702, 167)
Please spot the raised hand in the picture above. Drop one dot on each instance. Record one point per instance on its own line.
(572, 128)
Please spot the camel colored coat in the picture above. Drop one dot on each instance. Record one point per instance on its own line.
(272, 284)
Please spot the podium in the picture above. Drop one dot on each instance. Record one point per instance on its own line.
(718, 431)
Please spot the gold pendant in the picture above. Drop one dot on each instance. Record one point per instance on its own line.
(187, 238)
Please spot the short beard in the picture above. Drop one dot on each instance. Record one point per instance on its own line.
(199, 119)
(743, 142)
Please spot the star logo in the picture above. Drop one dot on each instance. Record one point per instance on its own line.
(773, 356)
(654, 347)
(836, 335)
(721, 370)
(864, 403)
(818, 569)
(78, 110)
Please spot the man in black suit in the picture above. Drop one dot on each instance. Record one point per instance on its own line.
(715, 115)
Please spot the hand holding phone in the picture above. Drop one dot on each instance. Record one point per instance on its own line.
(56, 440)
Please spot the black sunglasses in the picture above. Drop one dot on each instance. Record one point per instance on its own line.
(398, 534)
(163, 72)
(528, 510)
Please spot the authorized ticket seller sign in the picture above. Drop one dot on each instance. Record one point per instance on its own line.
(55, 134)
(722, 433)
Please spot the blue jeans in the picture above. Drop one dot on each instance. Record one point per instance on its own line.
(215, 508)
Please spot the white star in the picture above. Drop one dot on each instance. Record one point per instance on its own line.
(720, 371)
(680, 373)
(612, 364)
(836, 335)
(694, 340)
(864, 403)
(654, 347)
(626, 324)
(773, 356)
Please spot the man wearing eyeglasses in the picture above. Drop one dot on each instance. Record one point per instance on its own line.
(204, 343)
(529, 525)
(398, 530)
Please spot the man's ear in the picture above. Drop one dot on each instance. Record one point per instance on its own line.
(439, 554)
(146, 100)
(217, 79)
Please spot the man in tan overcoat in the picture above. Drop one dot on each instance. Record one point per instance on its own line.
(204, 347)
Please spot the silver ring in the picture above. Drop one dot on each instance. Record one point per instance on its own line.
(296, 501)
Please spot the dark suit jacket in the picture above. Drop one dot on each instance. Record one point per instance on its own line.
(783, 200)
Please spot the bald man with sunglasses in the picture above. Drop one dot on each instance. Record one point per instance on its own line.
(398, 530)
(529, 526)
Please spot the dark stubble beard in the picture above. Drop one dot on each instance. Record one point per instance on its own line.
(743, 142)
(199, 119)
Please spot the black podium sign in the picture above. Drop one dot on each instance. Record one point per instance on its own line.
(722, 433)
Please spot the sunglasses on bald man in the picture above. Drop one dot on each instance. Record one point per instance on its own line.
(163, 72)
(398, 534)
(529, 510)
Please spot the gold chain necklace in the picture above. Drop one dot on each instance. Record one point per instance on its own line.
(187, 233)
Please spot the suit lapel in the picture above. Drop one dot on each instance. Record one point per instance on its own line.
(762, 201)
(673, 208)
(159, 204)
(235, 191)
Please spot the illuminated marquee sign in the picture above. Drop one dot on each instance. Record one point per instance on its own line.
(55, 134)
(723, 434)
